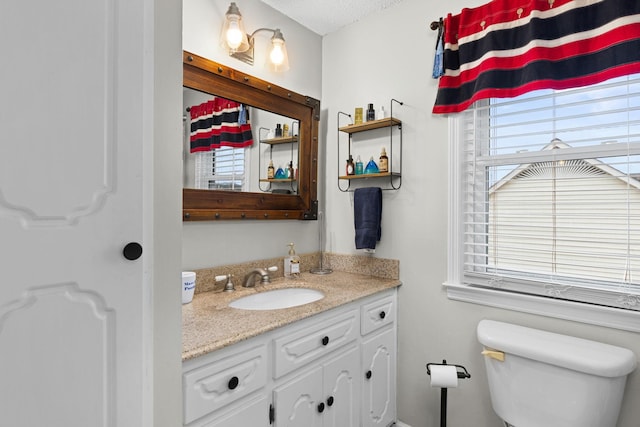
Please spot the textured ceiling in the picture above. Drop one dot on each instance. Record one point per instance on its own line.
(326, 16)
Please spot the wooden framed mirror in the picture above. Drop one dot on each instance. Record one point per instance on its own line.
(212, 78)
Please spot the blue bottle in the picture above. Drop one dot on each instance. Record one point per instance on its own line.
(371, 167)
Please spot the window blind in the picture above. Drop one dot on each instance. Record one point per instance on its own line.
(550, 194)
(220, 169)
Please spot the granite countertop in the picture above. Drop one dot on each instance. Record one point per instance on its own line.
(209, 324)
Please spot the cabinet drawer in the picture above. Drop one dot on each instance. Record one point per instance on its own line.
(209, 387)
(378, 313)
(299, 347)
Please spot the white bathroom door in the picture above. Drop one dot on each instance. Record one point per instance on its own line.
(75, 108)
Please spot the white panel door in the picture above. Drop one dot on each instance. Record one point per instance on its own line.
(296, 402)
(75, 119)
(379, 382)
(342, 390)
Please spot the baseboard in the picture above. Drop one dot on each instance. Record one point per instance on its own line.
(401, 424)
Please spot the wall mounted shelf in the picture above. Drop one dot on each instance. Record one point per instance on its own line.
(271, 142)
(393, 178)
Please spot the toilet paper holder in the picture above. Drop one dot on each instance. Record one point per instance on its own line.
(462, 373)
(461, 370)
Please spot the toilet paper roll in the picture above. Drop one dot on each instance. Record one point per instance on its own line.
(444, 376)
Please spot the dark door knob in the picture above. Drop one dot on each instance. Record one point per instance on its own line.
(321, 407)
(368, 374)
(233, 383)
(325, 340)
(132, 251)
(330, 401)
(382, 314)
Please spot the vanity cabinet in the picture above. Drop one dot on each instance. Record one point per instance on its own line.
(378, 320)
(326, 393)
(334, 369)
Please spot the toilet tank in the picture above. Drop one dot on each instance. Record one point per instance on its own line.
(553, 380)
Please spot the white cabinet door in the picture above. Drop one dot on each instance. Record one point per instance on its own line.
(297, 402)
(254, 413)
(76, 117)
(379, 379)
(342, 390)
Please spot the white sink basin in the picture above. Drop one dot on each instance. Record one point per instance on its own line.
(277, 298)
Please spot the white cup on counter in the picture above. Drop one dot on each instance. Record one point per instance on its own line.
(188, 286)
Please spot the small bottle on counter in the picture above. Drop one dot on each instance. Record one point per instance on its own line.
(359, 166)
(291, 263)
(383, 164)
(271, 171)
(371, 113)
(350, 169)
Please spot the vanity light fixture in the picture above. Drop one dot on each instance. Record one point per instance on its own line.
(240, 45)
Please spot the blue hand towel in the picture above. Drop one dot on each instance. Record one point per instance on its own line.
(367, 214)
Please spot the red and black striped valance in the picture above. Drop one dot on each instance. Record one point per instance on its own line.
(219, 123)
(509, 47)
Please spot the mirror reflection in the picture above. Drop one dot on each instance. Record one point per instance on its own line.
(232, 146)
(267, 105)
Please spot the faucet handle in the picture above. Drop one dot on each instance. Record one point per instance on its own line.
(272, 268)
(228, 287)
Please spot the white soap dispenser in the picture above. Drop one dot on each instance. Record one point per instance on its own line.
(291, 263)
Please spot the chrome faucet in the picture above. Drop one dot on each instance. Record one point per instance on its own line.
(249, 279)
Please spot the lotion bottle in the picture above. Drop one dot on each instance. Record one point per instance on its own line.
(291, 263)
(383, 164)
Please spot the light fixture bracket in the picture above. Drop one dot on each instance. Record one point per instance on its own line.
(247, 55)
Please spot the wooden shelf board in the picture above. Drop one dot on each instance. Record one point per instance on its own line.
(374, 124)
(370, 175)
(282, 140)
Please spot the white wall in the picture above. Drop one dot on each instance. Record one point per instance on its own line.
(166, 199)
(390, 55)
(209, 244)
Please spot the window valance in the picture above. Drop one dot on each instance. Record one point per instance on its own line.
(219, 123)
(509, 47)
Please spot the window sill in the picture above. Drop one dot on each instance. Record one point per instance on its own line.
(625, 320)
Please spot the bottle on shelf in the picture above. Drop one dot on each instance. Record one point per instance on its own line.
(285, 130)
(271, 171)
(359, 166)
(371, 113)
(381, 113)
(278, 130)
(371, 167)
(280, 173)
(290, 170)
(351, 168)
(383, 164)
(358, 116)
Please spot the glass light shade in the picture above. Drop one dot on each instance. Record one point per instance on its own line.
(278, 59)
(233, 37)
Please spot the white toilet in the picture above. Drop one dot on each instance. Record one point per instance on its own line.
(552, 380)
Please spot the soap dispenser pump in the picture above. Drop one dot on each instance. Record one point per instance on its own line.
(291, 263)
